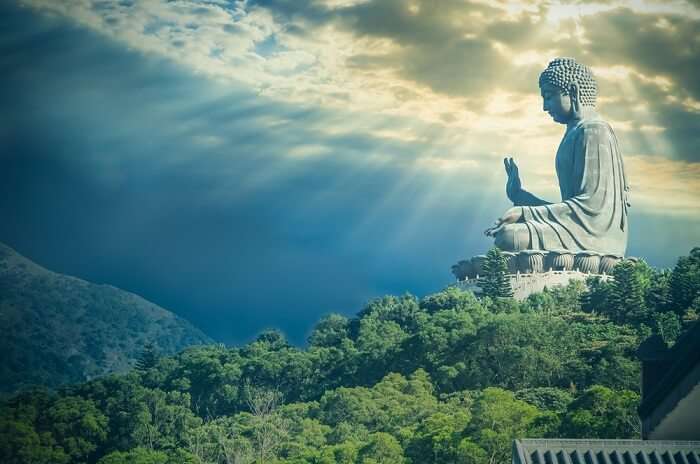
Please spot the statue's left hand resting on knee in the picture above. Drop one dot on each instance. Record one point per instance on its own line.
(511, 216)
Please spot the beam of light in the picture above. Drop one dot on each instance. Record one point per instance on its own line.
(325, 72)
(654, 176)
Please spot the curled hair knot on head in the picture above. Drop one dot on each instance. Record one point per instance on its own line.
(563, 72)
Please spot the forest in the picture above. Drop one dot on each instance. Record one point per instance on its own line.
(448, 378)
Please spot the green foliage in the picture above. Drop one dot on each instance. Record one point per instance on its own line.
(148, 358)
(135, 456)
(559, 301)
(494, 282)
(263, 425)
(343, 453)
(436, 437)
(392, 404)
(77, 426)
(639, 295)
(162, 419)
(603, 413)
(38, 427)
(658, 294)
(381, 448)
(668, 325)
(59, 330)
(598, 297)
(330, 331)
(444, 379)
(627, 298)
(546, 398)
(498, 417)
(20, 443)
(684, 283)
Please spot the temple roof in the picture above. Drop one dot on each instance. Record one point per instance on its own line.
(569, 451)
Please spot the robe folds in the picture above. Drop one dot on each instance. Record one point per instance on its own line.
(592, 214)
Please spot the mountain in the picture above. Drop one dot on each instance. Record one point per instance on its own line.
(447, 378)
(57, 329)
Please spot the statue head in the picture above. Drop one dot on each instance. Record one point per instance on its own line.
(566, 87)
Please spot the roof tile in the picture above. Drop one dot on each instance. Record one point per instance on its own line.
(567, 451)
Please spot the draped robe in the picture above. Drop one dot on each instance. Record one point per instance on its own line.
(593, 212)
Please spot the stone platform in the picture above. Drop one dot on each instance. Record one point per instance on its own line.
(526, 284)
(531, 271)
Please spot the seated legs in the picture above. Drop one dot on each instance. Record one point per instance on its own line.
(513, 237)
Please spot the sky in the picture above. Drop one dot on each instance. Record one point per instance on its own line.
(260, 164)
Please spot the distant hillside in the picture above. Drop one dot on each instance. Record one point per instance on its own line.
(58, 329)
(448, 378)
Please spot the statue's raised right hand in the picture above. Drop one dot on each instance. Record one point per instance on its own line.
(513, 184)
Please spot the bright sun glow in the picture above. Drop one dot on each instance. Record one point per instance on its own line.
(394, 88)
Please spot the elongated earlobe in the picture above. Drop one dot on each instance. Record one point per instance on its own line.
(575, 97)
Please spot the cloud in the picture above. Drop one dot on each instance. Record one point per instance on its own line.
(656, 45)
(255, 164)
(655, 181)
(463, 73)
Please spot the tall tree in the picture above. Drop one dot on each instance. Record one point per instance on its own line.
(498, 417)
(685, 281)
(494, 281)
(668, 325)
(628, 303)
(658, 295)
(597, 297)
(268, 427)
(148, 358)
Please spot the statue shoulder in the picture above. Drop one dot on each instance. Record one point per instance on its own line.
(594, 130)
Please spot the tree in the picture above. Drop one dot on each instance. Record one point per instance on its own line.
(546, 398)
(266, 426)
(498, 418)
(78, 426)
(494, 281)
(668, 325)
(379, 341)
(381, 449)
(471, 453)
(403, 310)
(627, 299)
(21, 443)
(443, 337)
(22, 439)
(597, 297)
(306, 436)
(216, 442)
(330, 331)
(453, 298)
(162, 419)
(602, 413)
(685, 281)
(520, 350)
(148, 358)
(403, 380)
(342, 453)
(135, 456)
(437, 436)
(658, 295)
(274, 338)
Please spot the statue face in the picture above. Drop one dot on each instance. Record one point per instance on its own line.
(556, 103)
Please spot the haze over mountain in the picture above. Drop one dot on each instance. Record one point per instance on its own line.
(59, 329)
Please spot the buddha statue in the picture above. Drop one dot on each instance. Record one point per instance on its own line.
(592, 213)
